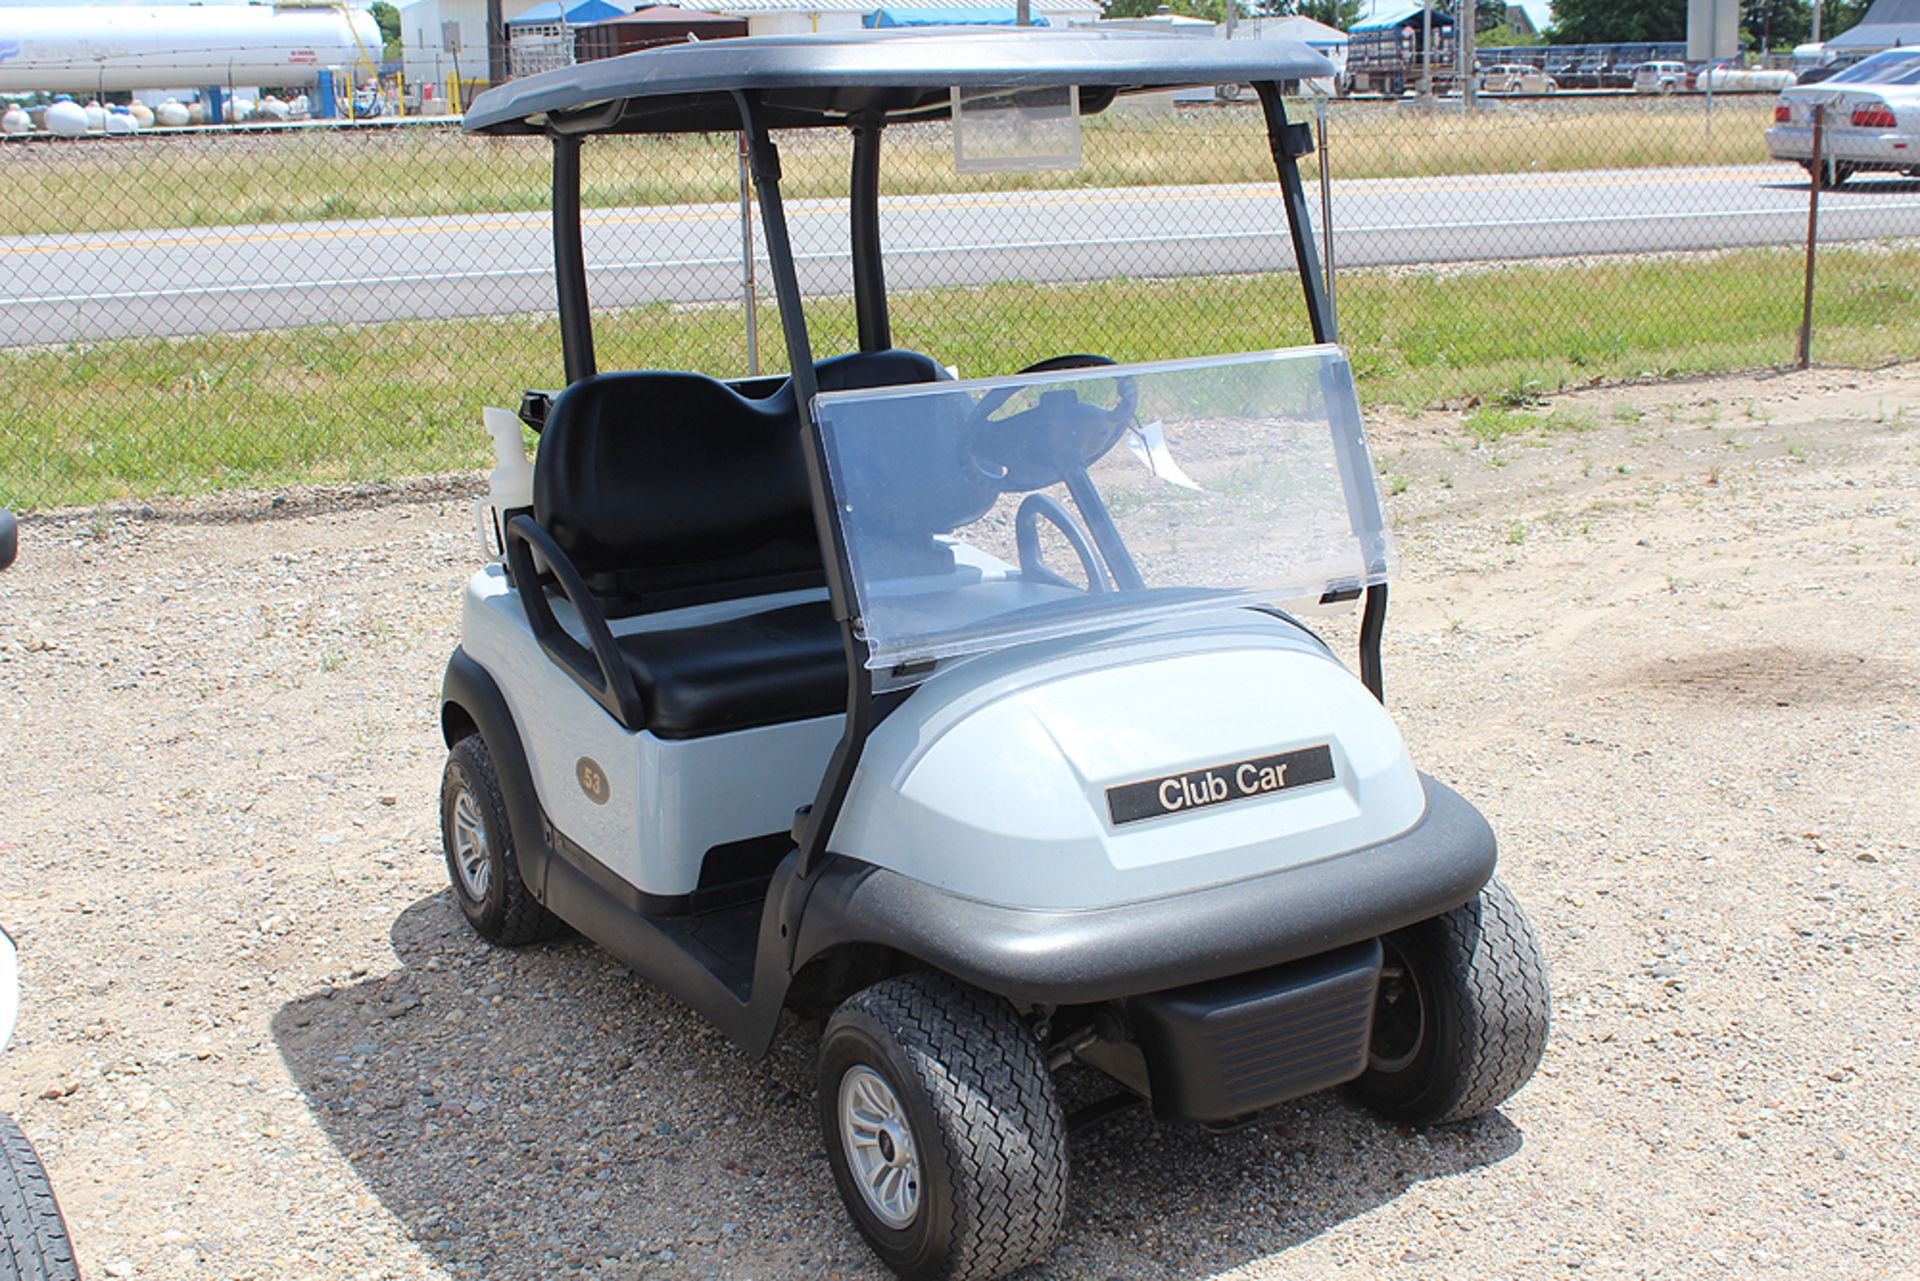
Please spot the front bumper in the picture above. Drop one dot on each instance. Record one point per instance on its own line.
(1077, 957)
(1218, 1052)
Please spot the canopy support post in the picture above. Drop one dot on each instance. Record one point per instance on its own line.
(570, 261)
(814, 824)
(869, 272)
(1288, 142)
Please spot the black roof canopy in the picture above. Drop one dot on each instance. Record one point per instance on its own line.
(824, 78)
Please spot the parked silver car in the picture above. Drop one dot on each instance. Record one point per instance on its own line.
(1660, 77)
(1516, 77)
(1872, 119)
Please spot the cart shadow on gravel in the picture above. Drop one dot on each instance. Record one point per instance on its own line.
(542, 1112)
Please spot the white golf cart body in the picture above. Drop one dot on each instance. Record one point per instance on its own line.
(877, 669)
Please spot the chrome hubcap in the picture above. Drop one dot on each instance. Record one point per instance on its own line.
(879, 1146)
(470, 846)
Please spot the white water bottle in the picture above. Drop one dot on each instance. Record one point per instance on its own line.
(510, 485)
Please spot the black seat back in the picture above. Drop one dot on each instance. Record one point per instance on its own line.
(668, 489)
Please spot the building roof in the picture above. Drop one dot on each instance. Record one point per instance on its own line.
(666, 15)
(824, 78)
(955, 16)
(1292, 27)
(1399, 18)
(580, 11)
(1889, 24)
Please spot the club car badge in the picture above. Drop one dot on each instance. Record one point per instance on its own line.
(1219, 784)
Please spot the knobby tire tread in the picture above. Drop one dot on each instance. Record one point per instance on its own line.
(522, 920)
(1003, 1129)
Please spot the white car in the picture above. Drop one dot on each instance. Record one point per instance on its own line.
(1872, 119)
(1660, 77)
(1515, 77)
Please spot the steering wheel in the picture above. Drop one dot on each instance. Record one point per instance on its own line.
(1036, 447)
(1026, 536)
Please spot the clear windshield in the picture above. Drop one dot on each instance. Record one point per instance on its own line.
(1891, 67)
(981, 513)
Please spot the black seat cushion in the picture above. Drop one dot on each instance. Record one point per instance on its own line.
(764, 669)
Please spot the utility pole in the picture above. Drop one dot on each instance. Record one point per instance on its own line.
(496, 44)
(1816, 21)
(1426, 50)
(1463, 35)
(1023, 13)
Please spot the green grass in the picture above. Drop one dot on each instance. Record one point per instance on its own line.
(145, 417)
(311, 175)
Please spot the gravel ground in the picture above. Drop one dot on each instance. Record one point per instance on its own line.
(1668, 645)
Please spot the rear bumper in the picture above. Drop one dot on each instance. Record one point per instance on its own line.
(1101, 954)
(1887, 150)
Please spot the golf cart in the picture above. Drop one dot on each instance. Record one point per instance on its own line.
(964, 708)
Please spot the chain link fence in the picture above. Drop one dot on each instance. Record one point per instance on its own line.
(194, 310)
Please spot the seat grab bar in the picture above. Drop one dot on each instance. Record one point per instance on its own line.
(599, 670)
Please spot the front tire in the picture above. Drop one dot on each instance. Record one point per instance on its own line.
(943, 1130)
(481, 862)
(33, 1237)
(1461, 1019)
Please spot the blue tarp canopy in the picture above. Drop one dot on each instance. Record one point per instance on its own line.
(956, 16)
(1400, 18)
(575, 14)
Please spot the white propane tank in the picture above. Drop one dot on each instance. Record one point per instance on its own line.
(120, 121)
(142, 116)
(96, 116)
(15, 121)
(509, 487)
(171, 114)
(67, 118)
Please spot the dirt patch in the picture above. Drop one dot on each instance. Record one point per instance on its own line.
(1775, 676)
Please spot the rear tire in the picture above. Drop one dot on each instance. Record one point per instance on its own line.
(1463, 1023)
(33, 1237)
(940, 1093)
(1831, 174)
(481, 861)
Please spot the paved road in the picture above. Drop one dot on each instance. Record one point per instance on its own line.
(116, 284)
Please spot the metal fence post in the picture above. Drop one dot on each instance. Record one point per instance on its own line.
(1814, 179)
(749, 289)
